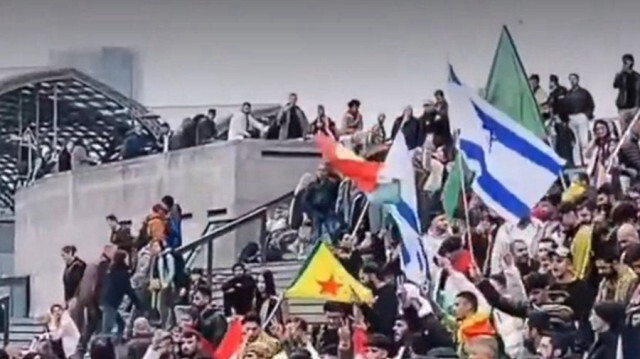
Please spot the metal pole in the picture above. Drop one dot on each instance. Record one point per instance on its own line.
(37, 104)
(210, 262)
(55, 117)
(20, 127)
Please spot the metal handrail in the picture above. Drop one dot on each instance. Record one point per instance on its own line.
(260, 212)
(5, 307)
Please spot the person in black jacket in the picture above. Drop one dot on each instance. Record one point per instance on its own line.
(210, 322)
(239, 291)
(412, 128)
(382, 315)
(73, 272)
(606, 319)
(627, 82)
(117, 284)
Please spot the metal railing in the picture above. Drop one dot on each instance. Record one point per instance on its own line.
(191, 250)
(5, 304)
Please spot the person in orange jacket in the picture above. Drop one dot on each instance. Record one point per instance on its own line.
(157, 224)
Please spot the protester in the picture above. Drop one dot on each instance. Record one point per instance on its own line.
(117, 284)
(63, 333)
(323, 124)
(243, 125)
(291, 120)
(73, 272)
(239, 291)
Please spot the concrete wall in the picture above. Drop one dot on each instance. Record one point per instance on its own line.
(70, 208)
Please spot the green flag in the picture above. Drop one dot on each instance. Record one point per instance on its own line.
(508, 87)
(452, 190)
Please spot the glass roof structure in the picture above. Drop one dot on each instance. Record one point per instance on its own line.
(41, 112)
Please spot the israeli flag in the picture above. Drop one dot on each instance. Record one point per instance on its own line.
(514, 169)
(398, 169)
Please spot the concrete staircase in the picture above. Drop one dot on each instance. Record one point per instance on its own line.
(23, 330)
(284, 273)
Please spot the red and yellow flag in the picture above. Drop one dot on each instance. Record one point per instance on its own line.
(363, 173)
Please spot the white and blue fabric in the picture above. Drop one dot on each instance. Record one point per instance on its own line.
(514, 169)
(398, 168)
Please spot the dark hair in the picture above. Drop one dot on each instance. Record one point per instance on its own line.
(302, 324)
(204, 290)
(238, 266)
(553, 78)
(329, 349)
(246, 104)
(609, 253)
(112, 217)
(70, 250)
(623, 211)
(632, 254)
(586, 203)
(606, 188)
(168, 201)
(299, 354)
(372, 268)
(102, 348)
(535, 281)
(353, 102)
(335, 307)
(251, 318)
(534, 77)
(628, 57)
(119, 260)
(575, 75)
(380, 341)
(450, 244)
(438, 93)
(269, 283)
(54, 306)
(469, 297)
(189, 334)
(212, 111)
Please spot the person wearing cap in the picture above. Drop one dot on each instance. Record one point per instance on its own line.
(576, 293)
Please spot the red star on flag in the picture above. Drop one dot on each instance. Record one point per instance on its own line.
(330, 286)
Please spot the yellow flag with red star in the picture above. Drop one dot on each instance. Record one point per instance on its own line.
(323, 277)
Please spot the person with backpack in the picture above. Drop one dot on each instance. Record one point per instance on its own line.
(161, 286)
(174, 235)
(157, 224)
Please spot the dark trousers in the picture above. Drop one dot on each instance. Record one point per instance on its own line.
(93, 317)
(111, 318)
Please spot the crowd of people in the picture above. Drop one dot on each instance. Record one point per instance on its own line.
(562, 283)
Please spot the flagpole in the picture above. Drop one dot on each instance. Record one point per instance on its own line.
(626, 134)
(464, 200)
(365, 209)
(273, 312)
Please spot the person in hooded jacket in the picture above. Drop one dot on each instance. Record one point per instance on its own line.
(157, 224)
(117, 284)
(606, 320)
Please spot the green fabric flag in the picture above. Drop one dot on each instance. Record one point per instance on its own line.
(452, 190)
(508, 87)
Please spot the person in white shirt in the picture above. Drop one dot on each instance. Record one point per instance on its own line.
(242, 124)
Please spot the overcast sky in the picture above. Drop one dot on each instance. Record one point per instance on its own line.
(386, 53)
